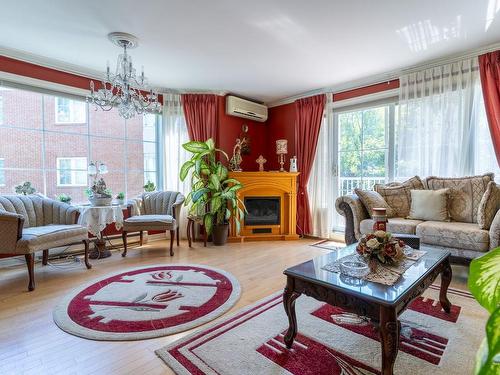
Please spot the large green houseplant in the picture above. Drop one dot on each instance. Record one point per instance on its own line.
(484, 284)
(213, 195)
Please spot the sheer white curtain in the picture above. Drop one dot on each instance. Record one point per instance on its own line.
(321, 185)
(441, 128)
(174, 135)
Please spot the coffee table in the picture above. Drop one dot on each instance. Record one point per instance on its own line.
(381, 303)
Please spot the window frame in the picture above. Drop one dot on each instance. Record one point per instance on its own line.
(2, 172)
(72, 120)
(73, 171)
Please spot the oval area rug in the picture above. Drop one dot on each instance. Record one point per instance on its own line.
(147, 302)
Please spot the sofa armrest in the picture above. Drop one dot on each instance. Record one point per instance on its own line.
(351, 207)
(11, 230)
(68, 214)
(177, 206)
(495, 232)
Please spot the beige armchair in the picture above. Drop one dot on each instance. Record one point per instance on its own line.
(158, 211)
(31, 223)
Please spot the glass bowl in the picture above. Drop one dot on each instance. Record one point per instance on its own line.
(354, 268)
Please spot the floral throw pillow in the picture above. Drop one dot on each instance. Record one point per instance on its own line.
(488, 206)
(372, 199)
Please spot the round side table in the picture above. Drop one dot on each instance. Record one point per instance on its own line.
(96, 218)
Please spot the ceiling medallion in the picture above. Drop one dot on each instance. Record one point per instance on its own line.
(124, 89)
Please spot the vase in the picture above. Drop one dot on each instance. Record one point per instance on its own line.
(219, 234)
(379, 217)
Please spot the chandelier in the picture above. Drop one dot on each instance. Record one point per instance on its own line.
(124, 89)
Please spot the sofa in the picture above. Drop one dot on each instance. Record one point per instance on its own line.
(473, 227)
(33, 223)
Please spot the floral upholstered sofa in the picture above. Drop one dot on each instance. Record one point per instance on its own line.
(473, 227)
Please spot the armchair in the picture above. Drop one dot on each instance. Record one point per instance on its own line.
(158, 211)
(31, 223)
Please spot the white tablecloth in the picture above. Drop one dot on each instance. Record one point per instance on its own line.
(97, 218)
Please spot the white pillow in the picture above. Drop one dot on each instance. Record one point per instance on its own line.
(429, 205)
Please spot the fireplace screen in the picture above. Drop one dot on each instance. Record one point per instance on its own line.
(262, 210)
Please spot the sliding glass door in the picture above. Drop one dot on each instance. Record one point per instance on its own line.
(364, 154)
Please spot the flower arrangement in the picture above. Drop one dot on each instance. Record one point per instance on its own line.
(381, 246)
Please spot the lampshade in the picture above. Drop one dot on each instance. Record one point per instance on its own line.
(92, 169)
(281, 146)
(103, 168)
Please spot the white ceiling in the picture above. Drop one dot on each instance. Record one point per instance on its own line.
(262, 49)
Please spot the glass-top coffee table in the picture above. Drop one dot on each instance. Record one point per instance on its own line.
(381, 303)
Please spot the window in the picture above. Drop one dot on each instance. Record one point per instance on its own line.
(70, 111)
(1, 109)
(363, 147)
(2, 172)
(71, 171)
(54, 158)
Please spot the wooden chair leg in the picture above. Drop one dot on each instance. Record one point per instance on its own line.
(141, 237)
(124, 238)
(172, 236)
(205, 237)
(189, 232)
(30, 262)
(45, 257)
(86, 257)
(177, 235)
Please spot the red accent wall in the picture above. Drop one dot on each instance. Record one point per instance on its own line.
(280, 125)
(230, 129)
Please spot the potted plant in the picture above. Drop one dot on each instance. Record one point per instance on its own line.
(25, 188)
(484, 284)
(65, 198)
(149, 186)
(120, 198)
(213, 195)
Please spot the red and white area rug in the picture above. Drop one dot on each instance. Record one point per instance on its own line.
(331, 341)
(147, 302)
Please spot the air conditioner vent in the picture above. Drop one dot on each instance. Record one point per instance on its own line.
(245, 108)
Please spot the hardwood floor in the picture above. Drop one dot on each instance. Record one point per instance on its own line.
(30, 342)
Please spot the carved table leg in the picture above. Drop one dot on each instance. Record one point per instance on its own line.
(99, 251)
(389, 338)
(445, 283)
(289, 297)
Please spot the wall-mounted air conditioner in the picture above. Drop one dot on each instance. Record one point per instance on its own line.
(245, 108)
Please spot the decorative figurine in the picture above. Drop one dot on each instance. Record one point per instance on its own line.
(261, 161)
(245, 140)
(234, 163)
(293, 164)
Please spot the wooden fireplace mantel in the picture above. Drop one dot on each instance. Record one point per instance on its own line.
(268, 184)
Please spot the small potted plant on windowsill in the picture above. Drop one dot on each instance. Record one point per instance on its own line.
(120, 198)
(25, 189)
(65, 198)
(149, 187)
(213, 195)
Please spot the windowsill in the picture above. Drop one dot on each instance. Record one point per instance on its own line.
(70, 186)
(70, 123)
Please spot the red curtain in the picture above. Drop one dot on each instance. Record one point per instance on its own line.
(489, 67)
(200, 111)
(308, 118)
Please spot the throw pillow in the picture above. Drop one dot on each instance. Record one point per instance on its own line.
(397, 194)
(372, 199)
(488, 206)
(429, 205)
(465, 194)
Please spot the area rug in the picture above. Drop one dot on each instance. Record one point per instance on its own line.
(331, 341)
(147, 302)
(329, 245)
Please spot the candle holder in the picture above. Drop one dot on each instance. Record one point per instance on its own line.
(281, 151)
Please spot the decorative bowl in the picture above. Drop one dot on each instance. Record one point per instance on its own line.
(354, 268)
(96, 202)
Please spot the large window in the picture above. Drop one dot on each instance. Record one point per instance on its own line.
(54, 158)
(2, 172)
(70, 111)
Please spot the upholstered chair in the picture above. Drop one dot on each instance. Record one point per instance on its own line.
(158, 211)
(31, 223)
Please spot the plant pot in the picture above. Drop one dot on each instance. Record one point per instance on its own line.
(219, 234)
(97, 202)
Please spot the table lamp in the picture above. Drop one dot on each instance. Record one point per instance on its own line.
(281, 151)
